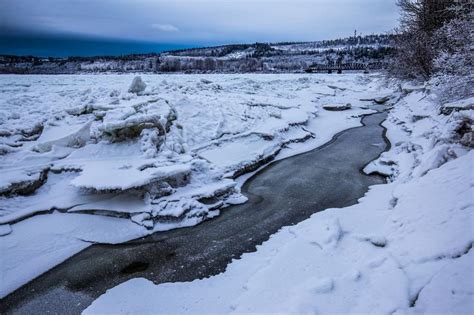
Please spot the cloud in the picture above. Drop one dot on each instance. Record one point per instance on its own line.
(199, 21)
(165, 27)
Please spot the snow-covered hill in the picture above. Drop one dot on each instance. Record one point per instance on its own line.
(372, 51)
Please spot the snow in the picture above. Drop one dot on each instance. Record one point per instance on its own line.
(5, 229)
(21, 176)
(405, 248)
(127, 174)
(84, 160)
(76, 135)
(229, 155)
(465, 104)
(447, 290)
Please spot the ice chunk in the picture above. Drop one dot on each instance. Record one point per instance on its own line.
(124, 174)
(69, 136)
(126, 123)
(337, 107)
(242, 153)
(86, 109)
(137, 85)
(131, 127)
(121, 204)
(175, 209)
(143, 219)
(21, 181)
(381, 99)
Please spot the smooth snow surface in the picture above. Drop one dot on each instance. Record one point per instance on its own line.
(110, 158)
(405, 248)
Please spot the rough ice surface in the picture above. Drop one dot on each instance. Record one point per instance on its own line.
(405, 248)
(84, 160)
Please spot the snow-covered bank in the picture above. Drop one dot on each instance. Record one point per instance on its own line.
(85, 160)
(405, 248)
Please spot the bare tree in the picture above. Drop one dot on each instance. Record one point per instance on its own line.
(416, 48)
(425, 15)
(454, 65)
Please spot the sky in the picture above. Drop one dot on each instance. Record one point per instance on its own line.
(83, 27)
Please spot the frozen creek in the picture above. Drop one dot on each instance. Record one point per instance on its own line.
(86, 161)
(327, 177)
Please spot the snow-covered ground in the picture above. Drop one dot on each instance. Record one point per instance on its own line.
(405, 248)
(89, 159)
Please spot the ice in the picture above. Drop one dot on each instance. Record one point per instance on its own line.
(337, 107)
(54, 194)
(240, 153)
(72, 136)
(36, 244)
(137, 85)
(125, 174)
(123, 203)
(124, 123)
(21, 180)
(88, 153)
(405, 248)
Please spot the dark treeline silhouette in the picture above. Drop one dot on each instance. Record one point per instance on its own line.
(371, 50)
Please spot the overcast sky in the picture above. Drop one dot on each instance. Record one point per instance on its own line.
(116, 27)
(198, 21)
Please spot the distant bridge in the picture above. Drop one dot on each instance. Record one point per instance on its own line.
(330, 68)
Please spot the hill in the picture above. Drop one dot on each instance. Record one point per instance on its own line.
(371, 52)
